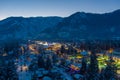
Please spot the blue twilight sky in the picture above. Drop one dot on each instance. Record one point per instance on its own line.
(62, 8)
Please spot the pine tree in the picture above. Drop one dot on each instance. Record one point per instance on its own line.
(71, 50)
(110, 72)
(93, 67)
(84, 66)
(62, 49)
(35, 77)
(102, 77)
(2, 73)
(48, 64)
(33, 66)
(41, 62)
(11, 71)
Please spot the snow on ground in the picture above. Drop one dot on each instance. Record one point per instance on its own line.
(47, 78)
(65, 75)
(25, 75)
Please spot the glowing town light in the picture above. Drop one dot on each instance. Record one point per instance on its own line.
(110, 50)
(24, 68)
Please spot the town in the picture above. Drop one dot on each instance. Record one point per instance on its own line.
(43, 60)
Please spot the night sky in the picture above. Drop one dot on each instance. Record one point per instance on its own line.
(33, 8)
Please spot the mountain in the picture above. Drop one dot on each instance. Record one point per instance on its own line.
(77, 26)
(83, 25)
(25, 28)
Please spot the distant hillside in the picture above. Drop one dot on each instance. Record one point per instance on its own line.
(25, 28)
(77, 26)
(83, 25)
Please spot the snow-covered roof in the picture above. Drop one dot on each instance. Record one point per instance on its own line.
(47, 78)
(78, 76)
(84, 53)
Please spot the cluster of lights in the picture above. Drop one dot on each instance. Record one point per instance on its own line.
(73, 67)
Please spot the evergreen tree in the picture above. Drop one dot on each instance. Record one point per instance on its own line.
(35, 77)
(102, 77)
(2, 73)
(110, 71)
(54, 58)
(62, 49)
(11, 71)
(2, 68)
(48, 64)
(84, 66)
(41, 62)
(70, 50)
(93, 67)
(33, 66)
